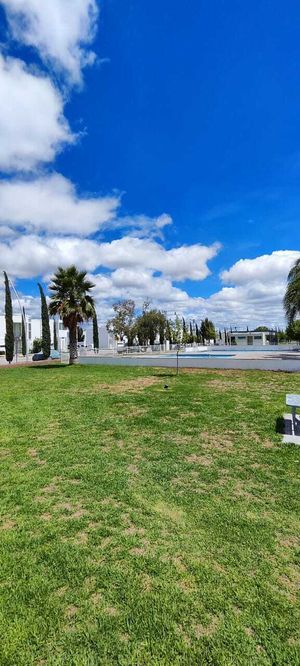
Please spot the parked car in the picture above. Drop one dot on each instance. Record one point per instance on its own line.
(39, 357)
(54, 355)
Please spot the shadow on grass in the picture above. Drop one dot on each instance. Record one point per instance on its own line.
(47, 366)
(280, 425)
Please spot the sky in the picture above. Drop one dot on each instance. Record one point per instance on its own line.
(156, 145)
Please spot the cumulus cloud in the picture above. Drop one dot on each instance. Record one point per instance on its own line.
(257, 292)
(188, 262)
(61, 30)
(30, 255)
(265, 268)
(51, 204)
(32, 125)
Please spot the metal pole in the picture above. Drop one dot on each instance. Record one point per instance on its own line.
(177, 369)
(22, 315)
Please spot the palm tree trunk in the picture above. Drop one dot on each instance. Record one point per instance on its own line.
(73, 344)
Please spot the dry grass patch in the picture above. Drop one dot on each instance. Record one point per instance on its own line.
(199, 460)
(125, 386)
(208, 630)
(7, 524)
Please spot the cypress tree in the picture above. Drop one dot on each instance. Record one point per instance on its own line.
(9, 325)
(46, 337)
(95, 332)
(55, 339)
(24, 343)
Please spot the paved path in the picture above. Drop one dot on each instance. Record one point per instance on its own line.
(287, 363)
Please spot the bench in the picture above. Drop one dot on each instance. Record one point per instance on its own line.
(292, 421)
(293, 401)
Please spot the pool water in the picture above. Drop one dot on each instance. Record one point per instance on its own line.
(204, 355)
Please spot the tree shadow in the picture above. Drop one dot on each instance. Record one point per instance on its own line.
(47, 366)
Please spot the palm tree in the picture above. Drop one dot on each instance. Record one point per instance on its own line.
(291, 300)
(72, 301)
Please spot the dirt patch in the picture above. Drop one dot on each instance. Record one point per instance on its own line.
(199, 460)
(75, 511)
(208, 630)
(125, 386)
(291, 580)
(4, 453)
(8, 524)
(111, 610)
(219, 442)
(268, 444)
(132, 530)
(292, 541)
(81, 538)
(167, 511)
(46, 517)
(133, 469)
(240, 490)
(71, 611)
(96, 598)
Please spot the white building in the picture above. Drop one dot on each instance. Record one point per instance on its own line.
(33, 330)
(106, 339)
(250, 338)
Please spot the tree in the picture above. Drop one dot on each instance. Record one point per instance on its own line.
(80, 334)
(177, 331)
(55, 338)
(185, 336)
(46, 335)
(162, 327)
(261, 329)
(95, 332)
(207, 329)
(9, 324)
(293, 331)
(123, 323)
(36, 345)
(191, 337)
(150, 324)
(198, 334)
(169, 331)
(72, 301)
(24, 341)
(291, 299)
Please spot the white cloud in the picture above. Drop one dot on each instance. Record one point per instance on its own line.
(251, 303)
(51, 204)
(257, 292)
(185, 262)
(266, 268)
(32, 125)
(60, 30)
(145, 226)
(30, 255)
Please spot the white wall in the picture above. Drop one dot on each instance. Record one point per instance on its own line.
(34, 330)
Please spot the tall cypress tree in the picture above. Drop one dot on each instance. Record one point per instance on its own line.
(24, 342)
(95, 332)
(55, 339)
(46, 337)
(9, 325)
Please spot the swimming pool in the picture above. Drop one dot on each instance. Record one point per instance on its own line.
(204, 355)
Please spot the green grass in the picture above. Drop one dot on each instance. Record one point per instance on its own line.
(144, 526)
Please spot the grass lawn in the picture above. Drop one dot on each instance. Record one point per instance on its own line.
(144, 526)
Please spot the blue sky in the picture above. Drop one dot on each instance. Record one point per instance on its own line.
(157, 145)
